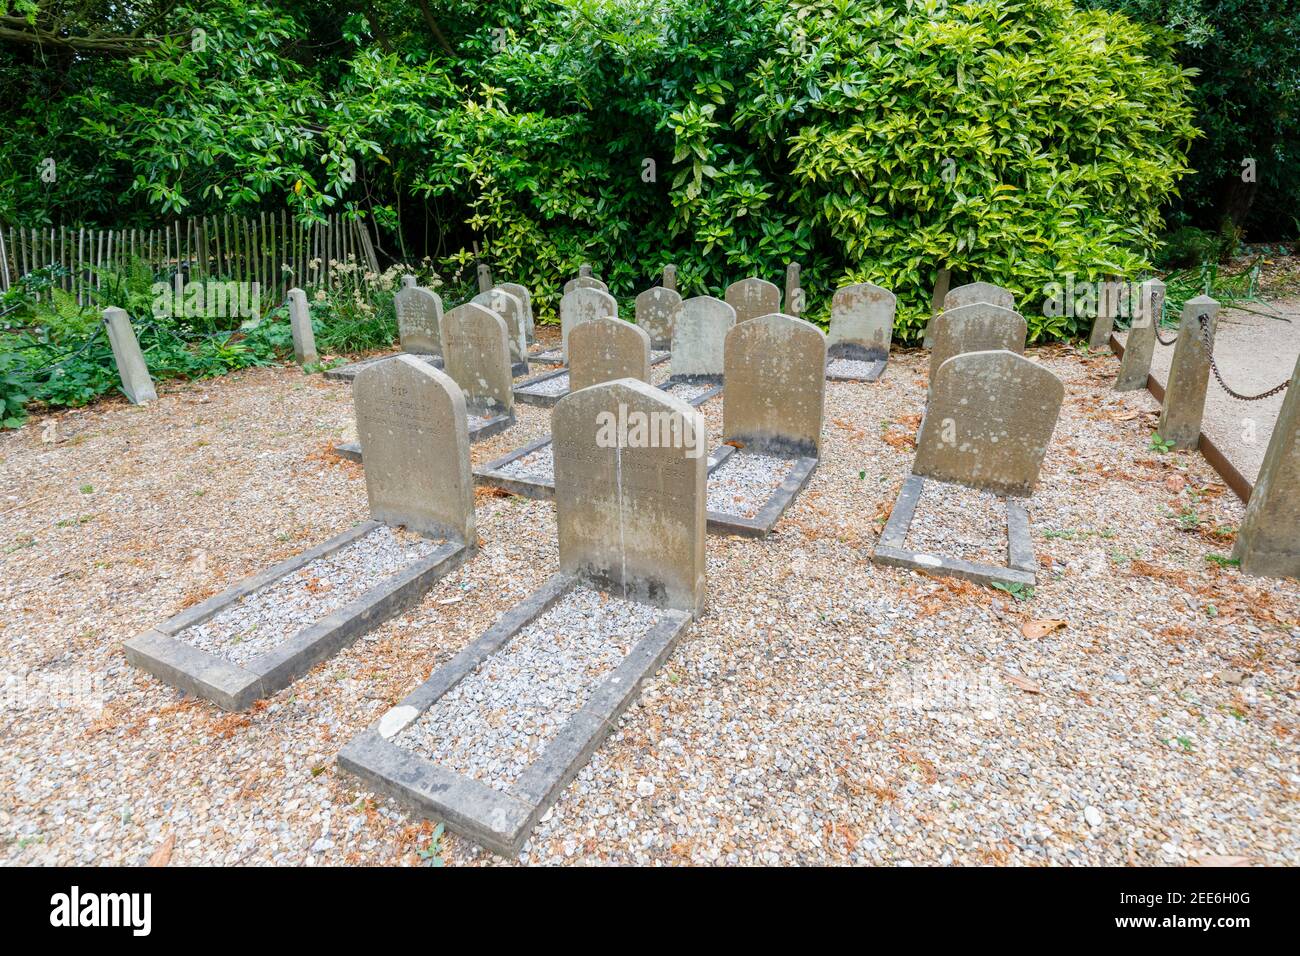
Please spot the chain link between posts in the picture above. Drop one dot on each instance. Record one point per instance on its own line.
(1204, 321)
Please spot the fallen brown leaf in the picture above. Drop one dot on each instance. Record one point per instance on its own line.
(1041, 627)
(1026, 685)
(162, 856)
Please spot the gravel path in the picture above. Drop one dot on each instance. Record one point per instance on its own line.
(537, 466)
(269, 616)
(742, 484)
(954, 521)
(500, 718)
(557, 385)
(824, 710)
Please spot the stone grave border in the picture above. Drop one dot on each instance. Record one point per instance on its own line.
(346, 373)
(503, 820)
(235, 687)
(555, 357)
(712, 380)
(352, 450)
(549, 401)
(719, 522)
(891, 548)
(852, 352)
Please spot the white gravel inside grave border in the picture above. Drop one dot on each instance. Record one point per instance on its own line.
(537, 466)
(688, 391)
(269, 616)
(954, 521)
(742, 484)
(548, 386)
(855, 367)
(501, 717)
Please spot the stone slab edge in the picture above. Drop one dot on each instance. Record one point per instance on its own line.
(490, 475)
(761, 525)
(698, 400)
(541, 401)
(346, 373)
(352, 450)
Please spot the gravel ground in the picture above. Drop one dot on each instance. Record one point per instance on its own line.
(549, 386)
(498, 720)
(849, 367)
(538, 466)
(742, 484)
(823, 709)
(689, 391)
(271, 615)
(954, 521)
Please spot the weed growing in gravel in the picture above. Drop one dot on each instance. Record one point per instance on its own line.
(432, 854)
(1160, 445)
(1021, 592)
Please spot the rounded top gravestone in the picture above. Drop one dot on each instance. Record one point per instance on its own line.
(973, 292)
(585, 282)
(523, 295)
(989, 420)
(412, 427)
(700, 338)
(657, 310)
(979, 327)
(511, 308)
(753, 297)
(476, 354)
(605, 349)
(862, 322)
(582, 305)
(630, 471)
(419, 320)
(775, 385)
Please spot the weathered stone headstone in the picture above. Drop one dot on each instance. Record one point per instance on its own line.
(1140, 345)
(657, 310)
(775, 385)
(1268, 543)
(584, 270)
(630, 464)
(988, 422)
(605, 349)
(941, 281)
(484, 277)
(793, 291)
(973, 292)
(412, 426)
(304, 339)
(670, 277)
(700, 338)
(409, 281)
(1189, 375)
(979, 327)
(476, 355)
(419, 320)
(131, 367)
(585, 282)
(1107, 309)
(523, 295)
(582, 305)
(753, 297)
(511, 309)
(862, 322)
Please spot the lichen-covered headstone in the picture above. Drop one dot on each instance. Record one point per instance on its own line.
(793, 291)
(304, 339)
(630, 464)
(582, 305)
(700, 338)
(670, 277)
(409, 281)
(753, 297)
(979, 327)
(413, 432)
(1189, 375)
(775, 379)
(988, 422)
(605, 349)
(862, 322)
(523, 295)
(1268, 543)
(973, 292)
(131, 367)
(657, 310)
(585, 282)
(511, 309)
(419, 320)
(1140, 345)
(476, 354)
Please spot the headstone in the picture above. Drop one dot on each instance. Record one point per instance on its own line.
(583, 305)
(304, 339)
(476, 355)
(670, 277)
(412, 427)
(523, 295)
(700, 338)
(419, 319)
(1268, 542)
(657, 310)
(584, 270)
(988, 422)
(941, 281)
(1189, 376)
(753, 297)
(585, 282)
(793, 291)
(862, 322)
(1107, 309)
(131, 367)
(605, 349)
(973, 292)
(630, 464)
(775, 379)
(409, 281)
(979, 327)
(1140, 345)
(484, 277)
(511, 309)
